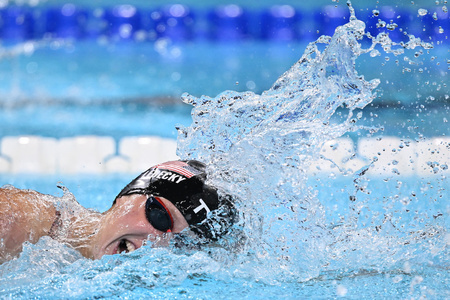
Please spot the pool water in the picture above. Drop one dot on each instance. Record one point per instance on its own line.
(372, 264)
(119, 120)
(307, 232)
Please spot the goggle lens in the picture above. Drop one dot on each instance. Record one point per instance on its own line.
(158, 215)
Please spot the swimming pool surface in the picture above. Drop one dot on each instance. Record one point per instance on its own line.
(139, 89)
(366, 265)
(342, 182)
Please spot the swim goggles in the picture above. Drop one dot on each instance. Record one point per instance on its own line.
(158, 215)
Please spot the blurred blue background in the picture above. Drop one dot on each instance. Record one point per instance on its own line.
(62, 63)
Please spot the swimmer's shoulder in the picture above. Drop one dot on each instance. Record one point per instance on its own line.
(20, 205)
(9, 193)
(26, 215)
(8, 198)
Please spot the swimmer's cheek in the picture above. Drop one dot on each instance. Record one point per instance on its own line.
(100, 253)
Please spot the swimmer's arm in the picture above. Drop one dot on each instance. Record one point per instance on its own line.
(25, 215)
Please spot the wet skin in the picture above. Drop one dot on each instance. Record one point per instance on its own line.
(28, 215)
(125, 228)
(25, 215)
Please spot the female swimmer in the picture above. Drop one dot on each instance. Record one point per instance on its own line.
(164, 200)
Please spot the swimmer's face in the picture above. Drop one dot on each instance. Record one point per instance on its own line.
(124, 228)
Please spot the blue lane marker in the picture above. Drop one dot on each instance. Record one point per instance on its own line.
(231, 22)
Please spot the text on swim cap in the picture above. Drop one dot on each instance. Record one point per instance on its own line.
(160, 174)
(202, 206)
(167, 175)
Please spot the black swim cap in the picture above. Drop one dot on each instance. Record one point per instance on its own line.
(183, 184)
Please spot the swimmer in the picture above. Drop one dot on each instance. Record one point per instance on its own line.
(162, 202)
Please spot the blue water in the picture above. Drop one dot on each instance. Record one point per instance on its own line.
(366, 265)
(328, 236)
(133, 81)
(118, 120)
(87, 71)
(85, 67)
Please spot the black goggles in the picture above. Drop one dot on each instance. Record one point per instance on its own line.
(158, 215)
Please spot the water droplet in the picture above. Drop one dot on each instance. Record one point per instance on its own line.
(441, 30)
(435, 16)
(341, 290)
(381, 24)
(375, 12)
(406, 267)
(250, 85)
(416, 280)
(405, 201)
(444, 9)
(422, 11)
(391, 26)
(374, 53)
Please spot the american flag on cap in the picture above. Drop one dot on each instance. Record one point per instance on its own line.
(180, 167)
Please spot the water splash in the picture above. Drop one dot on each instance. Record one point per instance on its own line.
(259, 148)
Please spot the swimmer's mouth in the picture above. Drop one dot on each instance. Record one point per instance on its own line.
(125, 246)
